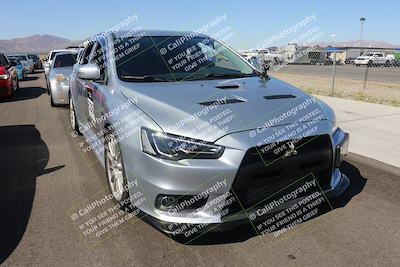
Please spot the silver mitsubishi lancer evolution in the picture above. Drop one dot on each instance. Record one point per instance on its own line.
(190, 133)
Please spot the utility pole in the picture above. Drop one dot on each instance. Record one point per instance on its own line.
(362, 19)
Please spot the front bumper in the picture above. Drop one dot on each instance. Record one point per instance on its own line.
(361, 62)
(238, 220)
(5, 88)
(59, 92)
(193, 177)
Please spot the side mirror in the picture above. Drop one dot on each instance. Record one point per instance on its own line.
(46, 65)
(88, 72)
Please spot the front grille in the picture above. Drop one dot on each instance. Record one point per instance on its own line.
(265, 171)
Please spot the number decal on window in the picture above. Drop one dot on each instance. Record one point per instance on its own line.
(91, 106)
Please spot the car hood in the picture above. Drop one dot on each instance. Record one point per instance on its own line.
(209, 110)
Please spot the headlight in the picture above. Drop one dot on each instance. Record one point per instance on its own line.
(174, 147)
(61, 79)
(341, 141)
(4, 77)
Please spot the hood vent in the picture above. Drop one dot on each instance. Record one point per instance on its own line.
(221, 102)
(271, 97)
(228, 86)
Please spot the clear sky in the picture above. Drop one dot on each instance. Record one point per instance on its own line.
(251, 21)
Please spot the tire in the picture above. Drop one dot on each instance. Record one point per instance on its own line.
(357, 65)
(370, 64)
(11, 96)
(72, 117)
(48, 87)
(387, 63)
(115, 171)
(52, 102)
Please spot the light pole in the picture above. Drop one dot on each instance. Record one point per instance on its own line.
(362, 19)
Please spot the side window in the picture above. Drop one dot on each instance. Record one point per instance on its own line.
(86, 54)
(99, 59)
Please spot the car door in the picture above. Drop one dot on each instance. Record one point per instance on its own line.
(81, 90)
(97, 89)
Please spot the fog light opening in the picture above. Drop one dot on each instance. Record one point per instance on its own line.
(167, 202)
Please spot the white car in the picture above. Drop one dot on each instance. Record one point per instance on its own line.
(270, 56)
(372, 58)
(263, 55)
(50, 58)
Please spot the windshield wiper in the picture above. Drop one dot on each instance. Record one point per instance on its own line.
(144, 78)
(220, 76)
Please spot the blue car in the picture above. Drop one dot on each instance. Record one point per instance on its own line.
(21, 71)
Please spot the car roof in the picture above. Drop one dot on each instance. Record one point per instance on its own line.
(66, 53)
(62, 50)
(155, 33)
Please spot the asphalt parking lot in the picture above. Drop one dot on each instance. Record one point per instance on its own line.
(44, 173)
(373, 74)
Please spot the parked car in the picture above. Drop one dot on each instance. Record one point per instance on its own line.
(21, 71)
(26, 62)
(36, 60)
(271, 56)
(350, 60)
(58, 81)
(264, 55)
(372, 59)
(50, 58)
(8, 78)
(168, 93)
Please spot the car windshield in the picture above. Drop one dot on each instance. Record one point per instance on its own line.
(53, 54)
(19, 57)
(15, 61)
(177, 58)
(65, 60)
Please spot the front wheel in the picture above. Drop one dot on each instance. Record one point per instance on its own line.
(115, 171)
(51, 101)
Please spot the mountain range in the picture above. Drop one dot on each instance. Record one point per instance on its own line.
(35, 44)
(45, 43)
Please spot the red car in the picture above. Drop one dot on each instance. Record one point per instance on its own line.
(8, 78)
